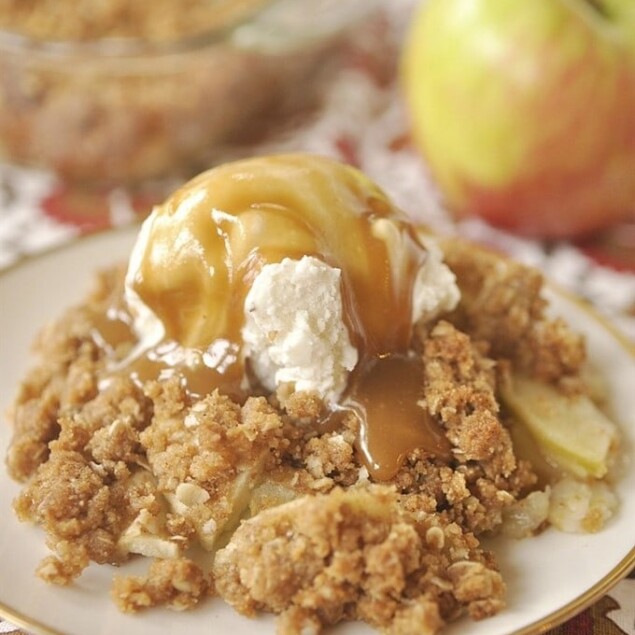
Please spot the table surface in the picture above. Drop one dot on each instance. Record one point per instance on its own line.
(361, 121)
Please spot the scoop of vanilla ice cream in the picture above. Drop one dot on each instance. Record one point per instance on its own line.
(146, 324)
(294, 330)
(435, 290)
(240, 231)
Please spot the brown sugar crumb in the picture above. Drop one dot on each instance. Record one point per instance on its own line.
(356, 554)
(84, 510)
(331, 457)
(501, 303)
(65, 378)
(208, 457)
(302, 405)
(66, 566)
(178, 584)
(93, 484)
(460, 387)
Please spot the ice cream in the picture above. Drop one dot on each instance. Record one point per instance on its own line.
(294, 329)
(288, 270)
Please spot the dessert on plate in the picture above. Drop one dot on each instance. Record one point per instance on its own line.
(295, 398)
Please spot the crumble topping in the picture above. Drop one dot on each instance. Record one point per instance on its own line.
(502, 305)
(177, 583)
(356, 554)
(294, 524)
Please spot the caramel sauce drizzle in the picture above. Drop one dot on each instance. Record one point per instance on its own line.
(112, 328)
(385, 393)
(200, 371)
(212, 237)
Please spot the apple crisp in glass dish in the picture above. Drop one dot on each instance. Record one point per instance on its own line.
(295, 399)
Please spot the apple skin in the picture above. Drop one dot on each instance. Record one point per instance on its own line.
(525, 110)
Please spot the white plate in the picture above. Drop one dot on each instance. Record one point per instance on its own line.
(549, 578)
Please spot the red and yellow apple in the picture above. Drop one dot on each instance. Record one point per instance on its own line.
(525, 109)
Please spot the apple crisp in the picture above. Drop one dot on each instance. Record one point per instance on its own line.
(274, 489)
(120, 92)
(157, 21)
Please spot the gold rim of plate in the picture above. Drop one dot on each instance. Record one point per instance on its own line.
(552, 620)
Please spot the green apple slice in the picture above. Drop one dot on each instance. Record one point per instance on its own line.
(571, 430)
